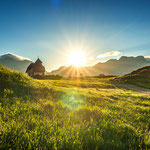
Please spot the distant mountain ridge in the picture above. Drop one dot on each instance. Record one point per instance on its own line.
(14, 62)
(112, 67)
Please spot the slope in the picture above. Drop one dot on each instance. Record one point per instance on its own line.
(14, 62)
(140, 77)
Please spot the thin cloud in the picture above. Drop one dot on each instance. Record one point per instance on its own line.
(147, 57)
(109, 54)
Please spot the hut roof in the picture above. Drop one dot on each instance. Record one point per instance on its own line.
(38, 61)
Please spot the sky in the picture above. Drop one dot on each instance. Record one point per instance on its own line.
(51, 29)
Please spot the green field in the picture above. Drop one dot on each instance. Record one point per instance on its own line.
(71, 114)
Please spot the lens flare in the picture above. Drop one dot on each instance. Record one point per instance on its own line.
(72, 101)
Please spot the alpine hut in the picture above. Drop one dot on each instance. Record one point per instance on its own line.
(36, 68)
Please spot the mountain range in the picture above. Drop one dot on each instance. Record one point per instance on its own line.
(112, 67)
(14, 62)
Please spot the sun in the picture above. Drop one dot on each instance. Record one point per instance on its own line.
(77, 59)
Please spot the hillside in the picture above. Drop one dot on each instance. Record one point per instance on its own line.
(72, 114)
(112, 67)
(140, 77)
(15, 62)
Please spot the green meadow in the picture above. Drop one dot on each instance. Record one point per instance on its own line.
(71, 114)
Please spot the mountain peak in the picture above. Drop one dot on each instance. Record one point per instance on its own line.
(140, 58)
(14, 62)
(132, 59)
(13, 56)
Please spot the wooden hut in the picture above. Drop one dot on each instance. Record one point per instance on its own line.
(36, 68)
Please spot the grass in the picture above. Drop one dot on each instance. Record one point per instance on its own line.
(87, 114)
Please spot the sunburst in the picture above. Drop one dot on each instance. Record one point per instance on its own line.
(77, 59)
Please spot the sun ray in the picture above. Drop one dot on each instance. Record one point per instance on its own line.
(84, 71)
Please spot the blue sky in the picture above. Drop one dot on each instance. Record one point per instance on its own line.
(50, 29)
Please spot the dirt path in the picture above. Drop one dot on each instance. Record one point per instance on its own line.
(132, 87)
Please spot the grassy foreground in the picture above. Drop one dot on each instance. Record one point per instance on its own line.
(86, 114)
